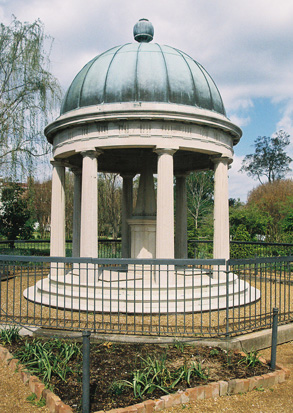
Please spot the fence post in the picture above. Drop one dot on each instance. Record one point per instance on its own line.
(86, 371)
(255, 265)
(227, 298)
(274, 338)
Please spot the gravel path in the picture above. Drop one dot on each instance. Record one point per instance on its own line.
(13, 393)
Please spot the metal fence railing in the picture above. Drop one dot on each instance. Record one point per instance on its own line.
(274, 279)
(241, 249)
(107, 248)
(175, 298)
(111, 248)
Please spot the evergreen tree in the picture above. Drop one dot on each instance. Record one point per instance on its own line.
(15, 216)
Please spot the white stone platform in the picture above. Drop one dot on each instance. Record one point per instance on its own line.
(148, 292)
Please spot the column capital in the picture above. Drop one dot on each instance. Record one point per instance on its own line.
(162, 151)
(182, 174)
(224, 159)
(92, 153)
(127, 175)
(57, 162)
(76, 170)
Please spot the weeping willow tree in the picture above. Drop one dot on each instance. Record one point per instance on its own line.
(29, 94)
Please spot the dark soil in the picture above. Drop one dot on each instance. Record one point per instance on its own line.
(111, 362)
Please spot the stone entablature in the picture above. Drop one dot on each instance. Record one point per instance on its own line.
(149, 125)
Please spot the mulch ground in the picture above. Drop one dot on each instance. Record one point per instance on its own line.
(112, 362)
(278, 398)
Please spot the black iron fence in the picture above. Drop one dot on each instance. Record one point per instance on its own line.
(107, 248)
(174, 298)
(199, 249)
(240, 249)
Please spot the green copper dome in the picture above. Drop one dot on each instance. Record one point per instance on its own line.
(143, 72)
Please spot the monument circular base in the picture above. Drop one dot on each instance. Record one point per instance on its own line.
(151, 291)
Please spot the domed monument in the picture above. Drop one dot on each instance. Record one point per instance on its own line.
(140, 108)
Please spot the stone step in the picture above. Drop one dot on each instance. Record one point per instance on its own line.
(177, 293)
(145, 306)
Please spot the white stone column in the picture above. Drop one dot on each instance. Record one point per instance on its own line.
(89, 205)
(57, 238)
(76, 212)
(165, 205)
(143, 221)
(221, 209)
(181, 217)
(127, 207)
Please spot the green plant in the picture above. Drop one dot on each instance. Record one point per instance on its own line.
(10, 335)
(214, 352)
(117, 387)
(154, 374)
(260, 388)
(145, 382)
(186, 373)
(48, 358)
(15, 216)
(251, 359)
(179, 345)
(199, 371)
(228, 357)
(33, 400)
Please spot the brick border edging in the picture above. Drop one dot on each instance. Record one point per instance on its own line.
(211, 390)
(53, 402)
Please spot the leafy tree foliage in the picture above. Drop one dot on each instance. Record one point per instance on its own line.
(247, 223)
(69, 195)
(287, 222)
(269, 159)
(15, 217)
(200, 192)
(28, 93)
(40, 204)
(275, 199)
(109, 201)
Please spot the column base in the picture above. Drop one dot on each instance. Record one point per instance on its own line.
(143, 237)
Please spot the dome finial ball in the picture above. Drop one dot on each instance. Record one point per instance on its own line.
(143, 31)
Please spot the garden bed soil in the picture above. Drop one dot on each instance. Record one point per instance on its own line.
(113, 362)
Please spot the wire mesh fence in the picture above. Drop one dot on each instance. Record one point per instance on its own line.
(176, 298)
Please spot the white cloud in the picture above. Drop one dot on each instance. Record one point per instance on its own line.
(286, 122)
(239, 183)
(246, 47)
(239, 121)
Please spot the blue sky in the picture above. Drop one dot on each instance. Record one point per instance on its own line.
(264, 115)
(245, 46)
